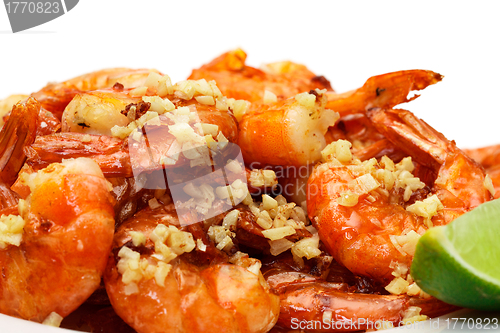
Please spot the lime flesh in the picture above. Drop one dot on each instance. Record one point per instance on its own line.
(460, 263)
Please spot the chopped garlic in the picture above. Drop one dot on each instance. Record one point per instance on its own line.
(269, 97)
(53, 319)
(278, 233)
(397, 286)
(11, 230)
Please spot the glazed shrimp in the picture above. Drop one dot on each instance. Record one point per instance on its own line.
(290, 133)
(369, 215)
(53, 254)
(237, 80)
(325, 292)
(385, 91)
(181, 295)
(18, 132)
(56, 96)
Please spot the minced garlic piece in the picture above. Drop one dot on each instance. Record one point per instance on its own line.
(234, 166)
(306, 99)
(139, 91)
(210, 129)
(397, 286)
(239, 107)
(164, 86)
(268, 202)
(327, 316)
(413, 289)
(307, 247)
(221, 236)
(340, 150)
(231, 219)
(263, 178)
(153, 203)
(205, 100)
(399, 269)
(426, 208)
(412, 314)
(278, 233)
(269, 97)
(221, 105)
(279, 246)
(488, 184)
(138, 238)
(11, 230)
(366, 183)
(406, 244)
(158, 104)
(53, 319)
(161, 273)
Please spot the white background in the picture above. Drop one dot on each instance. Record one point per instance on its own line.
(345, 41)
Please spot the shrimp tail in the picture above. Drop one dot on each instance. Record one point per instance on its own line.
(416, 138)
(412, 135)
(18, 132)
(385, 91)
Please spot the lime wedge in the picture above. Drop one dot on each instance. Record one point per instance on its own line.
(460, 263)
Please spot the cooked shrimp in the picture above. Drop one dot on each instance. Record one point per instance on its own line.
(56, 96)
(369, 214)
(327, 293)
(237, 80)
(149, 131)
(53, 254)
(181, 295)
(18, 133)
(290, 133)
(385, 91)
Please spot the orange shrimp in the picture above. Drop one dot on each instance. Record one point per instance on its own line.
(323, 295)
(359, 208)
(56, 96)
(384, 91)
(54, 253)
(182, 295)
(237, 80)
(290, 133)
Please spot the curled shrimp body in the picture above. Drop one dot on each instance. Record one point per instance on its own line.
(359, 217)
(64, 236)
(237, 80)
(290, 133)
(190, 297)
(56, 96)
(384, 91)
(323, 296)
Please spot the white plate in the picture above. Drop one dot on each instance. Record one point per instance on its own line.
(464, 320)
